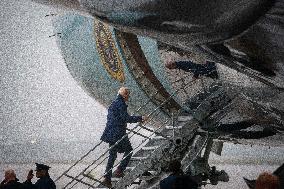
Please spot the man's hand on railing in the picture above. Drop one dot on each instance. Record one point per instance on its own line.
(144, 119)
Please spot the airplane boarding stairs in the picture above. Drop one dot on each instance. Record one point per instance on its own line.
(181, 139)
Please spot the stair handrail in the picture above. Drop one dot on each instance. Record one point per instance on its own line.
(131, 130)
(153, 132)
(85, 155)
(82, 172)
(125, 156)
(109, 148)
(65, 172)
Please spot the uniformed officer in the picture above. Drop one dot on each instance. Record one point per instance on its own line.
(44, 181)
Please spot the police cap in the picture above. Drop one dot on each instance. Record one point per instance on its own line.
(41, 167)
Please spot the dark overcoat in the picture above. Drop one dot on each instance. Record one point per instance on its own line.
(117, 120)
(11, 185)
(45, 183)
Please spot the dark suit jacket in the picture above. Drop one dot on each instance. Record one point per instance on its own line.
(117, 120)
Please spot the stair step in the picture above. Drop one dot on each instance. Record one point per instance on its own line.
(155, 141)
(171, 127)
(113, 182)
(153, 173)
(79, 180)
(150, 147)
(168, 130)
(100, 185)
(158, 137)
(184, 118)
(135, 160)
(90, 176)
(195, 101)
(145, 151)
(128, 170)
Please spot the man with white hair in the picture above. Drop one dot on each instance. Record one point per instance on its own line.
(117, 120)
(10, 181)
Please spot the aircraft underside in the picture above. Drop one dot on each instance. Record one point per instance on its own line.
(127, 43)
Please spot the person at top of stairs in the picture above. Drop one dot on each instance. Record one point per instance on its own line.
(207, 69)
(115, 129)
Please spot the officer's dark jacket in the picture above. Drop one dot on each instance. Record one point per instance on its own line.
(117, 120)
(42, 183)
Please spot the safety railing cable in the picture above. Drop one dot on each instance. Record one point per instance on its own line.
(65, 172)
(110, 148)
(143, 141)
(131, 130)
(153, 132)
(131, 151)
(84, 156)
(102, 156)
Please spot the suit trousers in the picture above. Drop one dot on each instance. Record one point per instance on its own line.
(123, 147)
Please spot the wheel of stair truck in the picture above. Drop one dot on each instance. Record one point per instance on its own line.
(178, 141)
